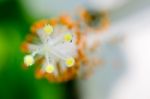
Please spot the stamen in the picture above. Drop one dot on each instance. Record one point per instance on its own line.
(49, 68)
(28, 60)
(70, 61)
(52, 48)
(48, 29)
(68, 37)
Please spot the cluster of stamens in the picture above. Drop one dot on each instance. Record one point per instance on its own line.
(55, 47)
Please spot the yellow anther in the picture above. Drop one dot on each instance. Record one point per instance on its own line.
(68, 37)
(70, 62)
(28, 60)
(49, 68)
(48, 29)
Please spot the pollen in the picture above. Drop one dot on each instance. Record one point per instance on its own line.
(70, 62)
(28, 60)
(68, 37)
(48, 29)
(49, 68)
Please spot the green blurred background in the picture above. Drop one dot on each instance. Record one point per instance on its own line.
(15, 82)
